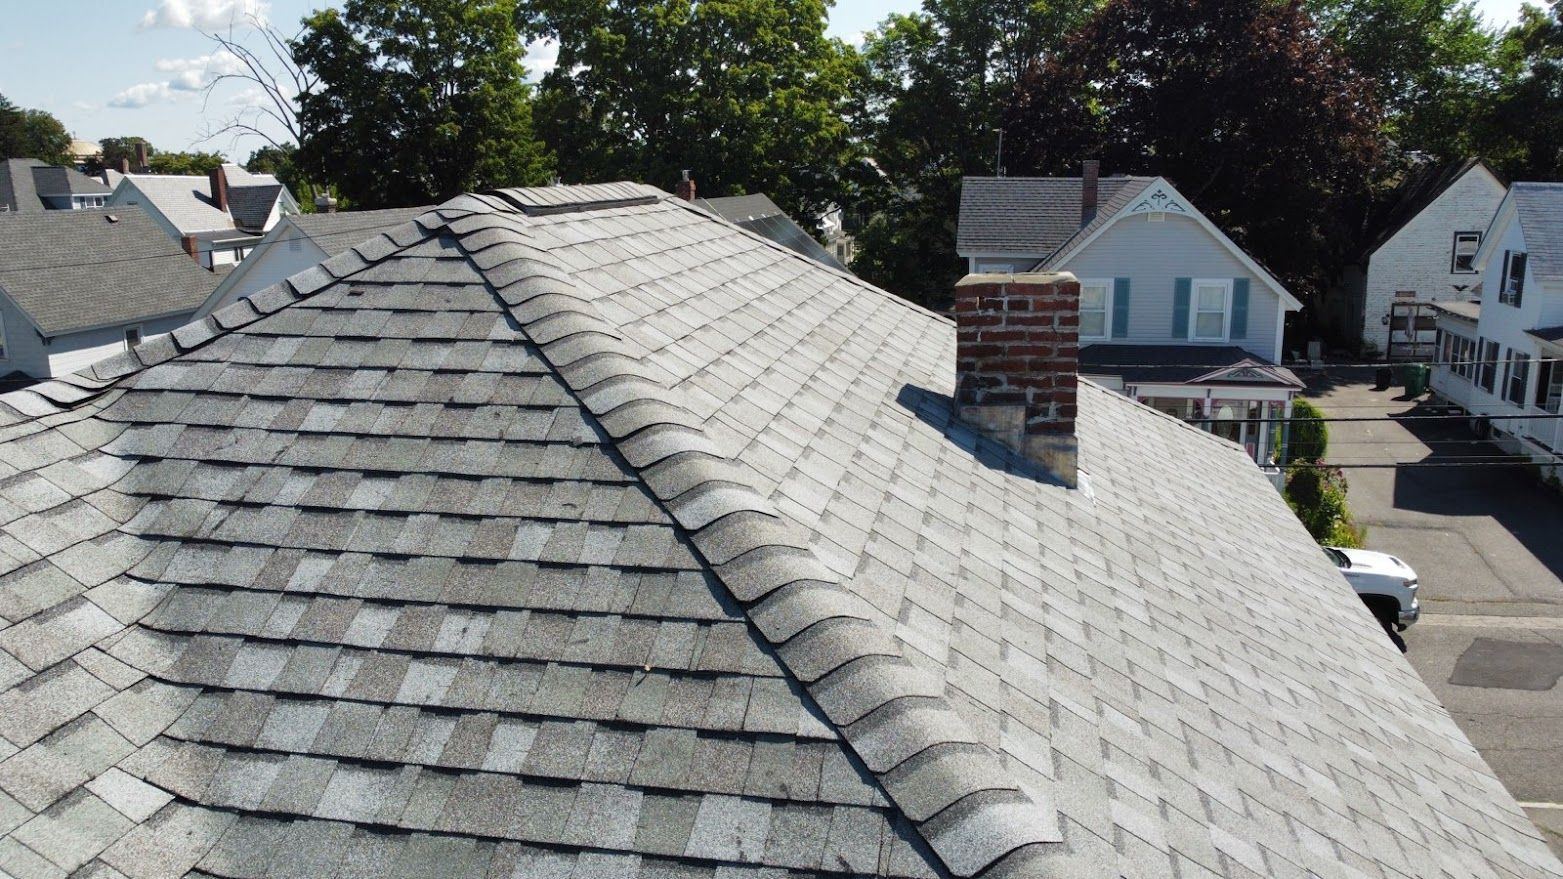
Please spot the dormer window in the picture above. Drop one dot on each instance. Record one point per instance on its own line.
(1463, 261)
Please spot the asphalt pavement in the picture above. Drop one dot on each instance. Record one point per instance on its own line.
(1487, 544)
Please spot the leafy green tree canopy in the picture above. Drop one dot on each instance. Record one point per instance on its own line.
(416, 101)
(1527, 118)
(1254, 116)
(937, 84)
(750, 95)
(1431, 62)
(32, 134)
(184, 163)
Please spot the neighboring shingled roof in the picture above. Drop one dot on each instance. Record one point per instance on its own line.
(1031, 215)
(1539, 208)
(74, 270)
(24, 183)
(186, 200)
(1420, 188)
(571, 532)
(765, 218)
(251, 205)
(336, 232)
(1174, 364)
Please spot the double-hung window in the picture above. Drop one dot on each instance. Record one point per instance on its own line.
(1096, 309)
(1463, 260)
(1519, 371)
(1549, 385)
(1487, 365)
(1512, 286)
(1209, 309)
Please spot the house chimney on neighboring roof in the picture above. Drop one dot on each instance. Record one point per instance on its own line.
(325, 204)
(143, 165)
(1090, 170)
(124, 165)
(685, 188)
(192, 246)
(219, 180)
(1017, 352)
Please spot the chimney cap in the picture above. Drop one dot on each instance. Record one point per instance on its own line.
(1015, 278)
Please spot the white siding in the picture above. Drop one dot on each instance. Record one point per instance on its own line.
(1153, 255)
(78, 350)
(1419, 256)
(275, 260)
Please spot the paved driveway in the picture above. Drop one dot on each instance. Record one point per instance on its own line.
(1487, 543)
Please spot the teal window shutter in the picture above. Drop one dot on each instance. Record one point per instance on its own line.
(1120, 308)
(1180, 307)
(1239, 308)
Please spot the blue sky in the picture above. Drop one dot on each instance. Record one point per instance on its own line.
(136, 66)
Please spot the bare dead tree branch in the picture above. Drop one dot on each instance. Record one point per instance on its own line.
(271, 71)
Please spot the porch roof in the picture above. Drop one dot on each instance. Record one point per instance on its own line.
(1184, 364)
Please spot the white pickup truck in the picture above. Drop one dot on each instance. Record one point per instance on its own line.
(1386, 585)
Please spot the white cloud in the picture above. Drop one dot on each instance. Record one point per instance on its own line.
(541, 57)
(194, 74)
(204, 14)
(141, 95)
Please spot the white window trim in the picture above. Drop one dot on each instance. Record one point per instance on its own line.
(1454, 255)
(1107, 317)
(1226, 308)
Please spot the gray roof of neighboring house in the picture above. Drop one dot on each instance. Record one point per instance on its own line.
(24, 183)
(1420, 188)
(572, 532)
(1032, 215)
(74, 270)
(186, 200)
(1539, 207)
(765, 218)
(336, 232)
(251, 205)
(1178, 364)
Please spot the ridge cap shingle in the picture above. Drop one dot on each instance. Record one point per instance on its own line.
(894, 715)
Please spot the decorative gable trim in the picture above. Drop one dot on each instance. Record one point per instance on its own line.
(1160, 184)
(1159, 199)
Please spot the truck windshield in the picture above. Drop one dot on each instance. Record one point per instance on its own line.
(1338, 557)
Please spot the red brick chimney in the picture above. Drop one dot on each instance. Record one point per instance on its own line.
(1090, 170)
(142, 163)
(124, 165)
(219, 180)
(1016, 357)
(685, 188)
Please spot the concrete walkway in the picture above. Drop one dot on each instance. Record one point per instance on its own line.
(1487, 544)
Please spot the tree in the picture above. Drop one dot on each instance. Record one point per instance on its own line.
(938, 84)
(1310, 436)
(1431, 63)
(1528, 113)
(1242, 104)
(115, 149)
(184, 163)
(750, 95)
(416, 101)
(32, 134)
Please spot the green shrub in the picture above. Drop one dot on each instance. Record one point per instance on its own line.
(1310, 437)
(1317, 494)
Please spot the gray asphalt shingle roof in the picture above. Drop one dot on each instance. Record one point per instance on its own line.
(186, 200)
(572, 532)
(1032, 215)
(336, 232)
(73, 270)
(1539, 208)
(24, 182)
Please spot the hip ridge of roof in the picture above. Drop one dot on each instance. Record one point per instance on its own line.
(894, 715)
